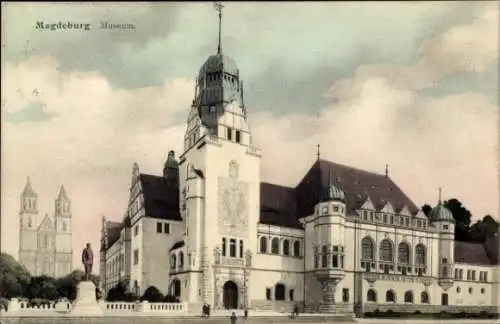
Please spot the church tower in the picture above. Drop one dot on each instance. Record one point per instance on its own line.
(28, 217)
(219, 174)
(63, 226)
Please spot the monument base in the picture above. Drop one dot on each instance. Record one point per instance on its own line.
(86, 303)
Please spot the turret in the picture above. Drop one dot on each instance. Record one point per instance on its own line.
(443, 221)
(171, 168)
(29, 199)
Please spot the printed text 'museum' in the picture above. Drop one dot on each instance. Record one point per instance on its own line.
(62, 26)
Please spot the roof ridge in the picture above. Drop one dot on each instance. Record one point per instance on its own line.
(352, 168)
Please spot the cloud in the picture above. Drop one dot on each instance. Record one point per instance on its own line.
(380, 115)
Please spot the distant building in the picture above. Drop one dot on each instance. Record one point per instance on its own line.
(45, 241)
(341, 240)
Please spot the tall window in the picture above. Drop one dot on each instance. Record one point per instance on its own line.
(181, 260)
(166, 228)
(279, 292)
(424, 297)
(238, 136)
(390, 296)
(345, 295)
(263, 244)
(371, 295)
(223, 246)
(159, 227)
(296, 248)
(403, 253)
(229, 133)
(367, 252)
(408, 297)
(420, 257)
(286, 247)
(324, 256)
(275, 246)
(241, 248)
(136, 256)
(232, 248)
(386, 251)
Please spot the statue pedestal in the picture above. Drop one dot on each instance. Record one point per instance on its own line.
(86, 303)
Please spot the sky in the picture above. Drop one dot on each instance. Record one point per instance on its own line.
(412, 85)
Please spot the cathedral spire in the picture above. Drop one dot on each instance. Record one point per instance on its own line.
(218, 7)
(62, 194)
(28, 189)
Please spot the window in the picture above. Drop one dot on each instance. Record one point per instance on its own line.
(136, 256)
(296, 248)
(29, 222)
(181, 260)
(136, 230)
(223, 246)
(232, 248)
(345, 295)
(229, 133)
(263, 244)
(275, 246)
(211, 109)
(408, 297)
(286, 247)
(456, 273)
(367, 249)
(279, 292)
(384, 218)
(64, 228)
(316, 261)
(371, 216)
(365, 215)
(420, 254)
(241, 248)
(392, 219)
(390, 296)
(482, 290)
(469, 275)
(470, 290)
(291, 293)
(403, 253)
(371, 295)
(424, 297)
(407, 221)
(159, 227)
(473, 274)
(324, 256)
(166, 228)
(335, 208)
(444, 271)
(325, 210)
(268, 293)
(386, 251)
(458, 289)
(238, 136)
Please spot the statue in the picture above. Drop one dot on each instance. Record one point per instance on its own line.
(88, 261)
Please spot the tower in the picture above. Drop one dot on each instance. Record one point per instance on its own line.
(63, 227)
(329, 240)
(219, 175)
(28, 217)
(442, 219)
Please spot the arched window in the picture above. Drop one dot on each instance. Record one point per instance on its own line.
(424, 297)
(371, 295)
(279, 292)
(181, 260)
(367, 251)
(390, 296)
(275, 246)
(296, 248)
(263, 244)
(420, 255)
(241, 248)
(173, 261)
(386, 253)
(223, 246)
(408, 297)
(286, 247)
(403, 253)
(176, 288)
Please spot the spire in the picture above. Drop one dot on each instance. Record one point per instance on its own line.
(28, 190)
(218, 7)
(62, 194)
(440, 195)
(387, 170)
(317, 154)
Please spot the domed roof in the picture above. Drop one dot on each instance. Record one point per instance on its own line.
(217, 63)
(441, 213)
(335, 193)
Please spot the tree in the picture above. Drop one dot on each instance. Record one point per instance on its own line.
(14, 278)
(42, 287)
(153, 295)
(483, 229)
(462, 218)
(426, 209)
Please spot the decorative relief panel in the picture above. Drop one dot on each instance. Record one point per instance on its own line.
(233, 206)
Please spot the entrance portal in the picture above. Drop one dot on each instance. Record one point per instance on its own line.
(230, 295)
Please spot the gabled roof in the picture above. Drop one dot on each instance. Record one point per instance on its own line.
(46, 223)
(357, 184)
(471, 253)
(113, 230)
(161, 197)
(177, 245)
(278, 205)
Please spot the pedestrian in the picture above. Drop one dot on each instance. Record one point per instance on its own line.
(245, 313)
(208, 310)
(233, 318)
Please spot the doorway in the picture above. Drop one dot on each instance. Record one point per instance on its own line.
(444, 299)
(230, 295)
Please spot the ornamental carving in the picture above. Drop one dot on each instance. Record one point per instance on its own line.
(233, 207)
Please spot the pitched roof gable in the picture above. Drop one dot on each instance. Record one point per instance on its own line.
(161, 197)
(471, 253)
(113, 231)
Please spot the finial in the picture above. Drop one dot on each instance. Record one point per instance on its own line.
(387, 170)
(218, 7)
(317, 154)
(440, 195)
